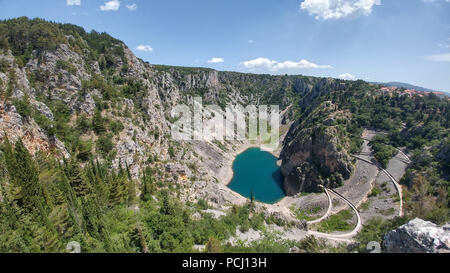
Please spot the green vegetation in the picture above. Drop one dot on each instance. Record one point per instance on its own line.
(65, 65)
(46, 202)
(3, 65)
(46, 205)
(338, 222)
(375, 229)
(419, 123)
(383, 153)
(271, 243)
(375, 191)
(305, 214)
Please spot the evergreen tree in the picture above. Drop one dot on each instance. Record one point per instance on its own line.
(24, 173)
(138, 238)
(119, 188)
(94, 224)
(98, 123)
(76, 179)
(252, 201)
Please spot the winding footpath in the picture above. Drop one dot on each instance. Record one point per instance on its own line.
(405, 155)
(340, 237)
(348, 236)
(328, 213)
(397, 185)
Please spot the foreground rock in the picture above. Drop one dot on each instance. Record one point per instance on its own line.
(419, 236)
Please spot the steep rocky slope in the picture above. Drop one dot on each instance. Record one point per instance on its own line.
(87, 76)
(97, 121)
(86, 95)
(315, 151)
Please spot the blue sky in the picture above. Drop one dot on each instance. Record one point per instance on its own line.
(375, 40)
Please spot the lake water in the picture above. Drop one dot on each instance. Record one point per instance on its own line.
(257, 171)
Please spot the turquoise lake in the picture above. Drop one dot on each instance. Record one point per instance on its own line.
(257, 171)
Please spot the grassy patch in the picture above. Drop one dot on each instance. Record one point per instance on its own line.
(337, 222)
(365, 206)
(375, 191)
(305, 214)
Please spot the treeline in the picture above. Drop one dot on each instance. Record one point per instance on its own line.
(46, 203)
(22, 36)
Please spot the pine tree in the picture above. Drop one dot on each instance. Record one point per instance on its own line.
(138, 239)
(94, 223)
(98, 123)
(71, 203)
(26, 175)
(144, 190)
(76, 179)
(167, 207)
(119, 188)
(252, 198)
(13, 190)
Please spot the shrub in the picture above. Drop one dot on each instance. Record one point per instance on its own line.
(23, 107)
(98, 123)
(83, 124)
(3, 65)
(84, 150)
(116, 126)
(104, 145)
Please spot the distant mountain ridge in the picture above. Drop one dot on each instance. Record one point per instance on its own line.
(410, 86)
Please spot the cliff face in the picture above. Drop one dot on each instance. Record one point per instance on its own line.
(69, 83)
(315, 152)
(75, 80)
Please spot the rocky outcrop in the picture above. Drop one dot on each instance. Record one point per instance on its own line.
(139, 96)
(13, 126)
(418, 236)
(316, 155)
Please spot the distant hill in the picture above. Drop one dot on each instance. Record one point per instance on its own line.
(410, 86)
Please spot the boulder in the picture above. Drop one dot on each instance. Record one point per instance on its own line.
(418, 236)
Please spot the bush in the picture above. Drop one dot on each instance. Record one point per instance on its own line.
(98, 123)
(83, 124)
(104, 145)
(23, 107)
(116, 126)
(84, 150)
(45, 123)
(3, 65)
(383, 153)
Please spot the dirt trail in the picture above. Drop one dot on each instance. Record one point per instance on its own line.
(345, 236)
(327, 214)
(398, 187)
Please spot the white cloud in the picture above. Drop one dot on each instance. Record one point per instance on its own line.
(216, 60)
(145, 48)
(132, 7)
(271, 65)
(347, 76)
(73, 2)
(444, 45)
(438, 58)
(337, 9)
(112, 5)
(250, 41)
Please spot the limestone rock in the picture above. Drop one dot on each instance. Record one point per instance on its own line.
(309, 158)
(418, 236)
